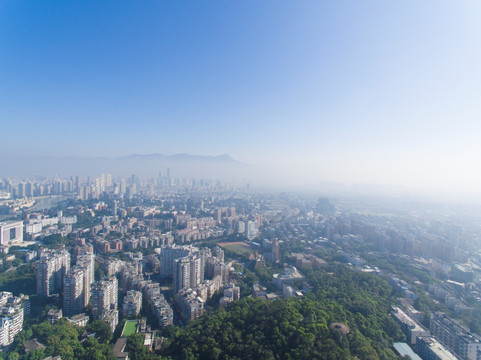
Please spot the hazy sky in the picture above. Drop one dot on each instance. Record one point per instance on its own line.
(376, 91)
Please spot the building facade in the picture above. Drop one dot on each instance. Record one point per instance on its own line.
(132, 303)
(11, 232)
(50, 270)
(73, 292)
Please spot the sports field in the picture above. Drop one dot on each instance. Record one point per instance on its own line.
(130, 327)
(238, 247)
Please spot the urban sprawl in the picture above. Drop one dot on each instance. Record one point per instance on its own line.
(146, 254)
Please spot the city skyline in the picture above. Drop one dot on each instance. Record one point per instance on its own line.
(374, 92)
(240, 180)
(126, 258)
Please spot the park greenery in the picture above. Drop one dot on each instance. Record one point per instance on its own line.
(19, 280)
(298, 328)
(64, 339)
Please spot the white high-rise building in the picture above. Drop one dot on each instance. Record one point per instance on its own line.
(188, 272)
(170, 253)
(87, 263)
(123, 186)
(51, 269)
(12, 311)
(11, 232)
(196, 271)
(181, 274)
(251, 230)
(104, 296)
(5, 325)
(73, 292)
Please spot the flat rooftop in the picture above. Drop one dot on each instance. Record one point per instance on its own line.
(404, 349)
(11, 222)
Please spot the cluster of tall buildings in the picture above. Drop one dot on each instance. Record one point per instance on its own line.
(169, 254)
(13, 310)
(79, 288)
(197, 274)
(29, 189)
(77, 284)
(54, 274)
(188, 272)
(189, 266)
(132, 279)
(93, 188)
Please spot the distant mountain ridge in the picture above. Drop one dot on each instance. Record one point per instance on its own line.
(184, 156)
(180, 156)
(148, 165)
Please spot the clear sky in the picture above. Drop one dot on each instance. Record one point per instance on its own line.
(372, 91)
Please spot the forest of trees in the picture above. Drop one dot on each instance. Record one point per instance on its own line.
(21, 280)
(295, 328)
(298, 328)
(64, 339)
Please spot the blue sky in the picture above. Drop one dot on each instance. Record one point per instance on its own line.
(374, 91)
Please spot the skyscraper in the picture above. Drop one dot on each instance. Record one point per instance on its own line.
(181, 274)
(123, 186)
(104, 296)
(108, 180)
(29, 189)
(114, 210)
(169, 254)
(51, 269)
(73, 292)
(251, 230)
(188, 272)
(87, 263)
(196, 270)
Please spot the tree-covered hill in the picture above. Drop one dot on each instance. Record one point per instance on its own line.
(298, 328)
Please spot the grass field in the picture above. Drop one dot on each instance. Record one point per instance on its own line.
(130, 327)
(238, 247)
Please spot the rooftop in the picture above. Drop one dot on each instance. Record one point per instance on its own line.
(403, 349)
(10, 222)
(119, 348)
(436, 347)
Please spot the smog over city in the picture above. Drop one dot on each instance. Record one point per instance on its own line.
(240, 180)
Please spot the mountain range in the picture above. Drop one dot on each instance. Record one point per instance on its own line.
(149, 165)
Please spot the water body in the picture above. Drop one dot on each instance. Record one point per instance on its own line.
(48, 202)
